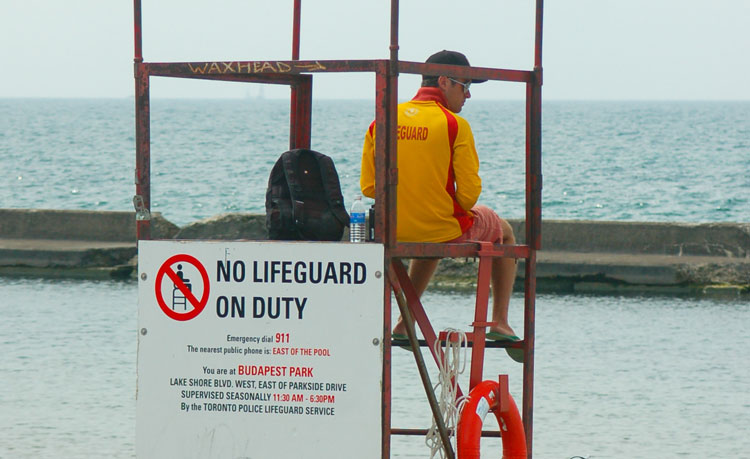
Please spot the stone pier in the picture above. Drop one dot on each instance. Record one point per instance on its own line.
(576, 256)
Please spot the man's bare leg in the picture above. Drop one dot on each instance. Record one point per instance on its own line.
(503, 276)
(420, 273)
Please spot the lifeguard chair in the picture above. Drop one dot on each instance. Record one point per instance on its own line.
(298, 74)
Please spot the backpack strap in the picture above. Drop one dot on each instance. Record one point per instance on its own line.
(290, 159)
(332, 188)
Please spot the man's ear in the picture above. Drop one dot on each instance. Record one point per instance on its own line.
(443, 82)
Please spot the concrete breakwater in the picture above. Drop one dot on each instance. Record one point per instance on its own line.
(576, 256)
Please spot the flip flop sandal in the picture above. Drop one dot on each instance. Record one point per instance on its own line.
(513, 353)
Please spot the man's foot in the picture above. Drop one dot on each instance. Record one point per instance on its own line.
(399, 328)
(502, 329)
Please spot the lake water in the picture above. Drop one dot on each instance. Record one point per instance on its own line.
(634, 161)
(652, 377)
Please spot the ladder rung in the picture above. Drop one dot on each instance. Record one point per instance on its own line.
(487, 344)
(455, 250)
(485, 433)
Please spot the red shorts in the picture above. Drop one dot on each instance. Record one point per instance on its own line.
(486, 227)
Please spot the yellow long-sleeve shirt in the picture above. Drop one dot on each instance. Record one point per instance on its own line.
(438, 170)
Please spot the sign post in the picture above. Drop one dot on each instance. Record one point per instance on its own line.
(259, 349)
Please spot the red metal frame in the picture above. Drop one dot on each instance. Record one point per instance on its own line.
(298, 75)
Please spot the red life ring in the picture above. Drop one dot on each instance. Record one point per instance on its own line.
(469, 430)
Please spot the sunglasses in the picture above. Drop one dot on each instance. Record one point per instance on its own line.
(465, 85)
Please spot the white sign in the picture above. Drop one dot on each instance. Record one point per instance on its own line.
(259, 350)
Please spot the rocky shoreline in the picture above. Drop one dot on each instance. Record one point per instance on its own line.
(576, 256)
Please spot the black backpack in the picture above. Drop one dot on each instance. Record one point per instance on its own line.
(303, 199)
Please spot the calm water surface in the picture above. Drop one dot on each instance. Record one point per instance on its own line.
(653, 377)
(632, 161)
(616, 377)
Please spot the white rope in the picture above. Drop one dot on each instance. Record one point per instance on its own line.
(452, 364)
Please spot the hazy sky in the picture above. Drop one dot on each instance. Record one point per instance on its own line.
(593, 49)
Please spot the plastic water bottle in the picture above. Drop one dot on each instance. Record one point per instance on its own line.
(357, 229)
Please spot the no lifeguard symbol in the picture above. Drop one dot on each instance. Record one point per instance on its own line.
(181, 303)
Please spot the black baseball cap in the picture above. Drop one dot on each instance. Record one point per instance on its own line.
(449, 58)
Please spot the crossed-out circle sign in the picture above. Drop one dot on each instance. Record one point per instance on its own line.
(181, 288)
